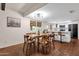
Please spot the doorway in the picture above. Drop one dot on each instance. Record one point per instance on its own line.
(74, 30)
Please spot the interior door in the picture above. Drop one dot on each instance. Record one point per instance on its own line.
(74, 30)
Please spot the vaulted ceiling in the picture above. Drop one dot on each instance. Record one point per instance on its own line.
(50, 11)
(24, 8)
(59, 12)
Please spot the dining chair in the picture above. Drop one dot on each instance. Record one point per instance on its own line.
(45, 44)
(25, 41)
(29, 45)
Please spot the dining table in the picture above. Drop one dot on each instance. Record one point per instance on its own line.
(37, 37)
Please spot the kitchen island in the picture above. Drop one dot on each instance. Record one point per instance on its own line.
(63, 36)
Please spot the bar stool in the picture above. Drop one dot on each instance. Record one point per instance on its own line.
(52, 37)
(61, 34)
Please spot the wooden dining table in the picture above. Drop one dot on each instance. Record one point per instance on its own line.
(36, 36)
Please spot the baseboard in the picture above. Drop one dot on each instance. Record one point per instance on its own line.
(11, 45)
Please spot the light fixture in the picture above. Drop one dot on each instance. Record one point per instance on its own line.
(38, 16)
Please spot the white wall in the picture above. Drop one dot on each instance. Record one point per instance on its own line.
(12, 35)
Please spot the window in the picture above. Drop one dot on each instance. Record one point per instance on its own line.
(35, 24)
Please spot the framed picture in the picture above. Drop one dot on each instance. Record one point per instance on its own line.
(13, 22)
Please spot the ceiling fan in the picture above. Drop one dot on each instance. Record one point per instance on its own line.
(3, 5)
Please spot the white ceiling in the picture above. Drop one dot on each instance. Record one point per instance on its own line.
(24, 8)
(52, 12)
(59, 12)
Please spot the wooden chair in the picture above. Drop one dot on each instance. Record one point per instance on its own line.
(29, 45)
(25, 41)
(45, 44)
